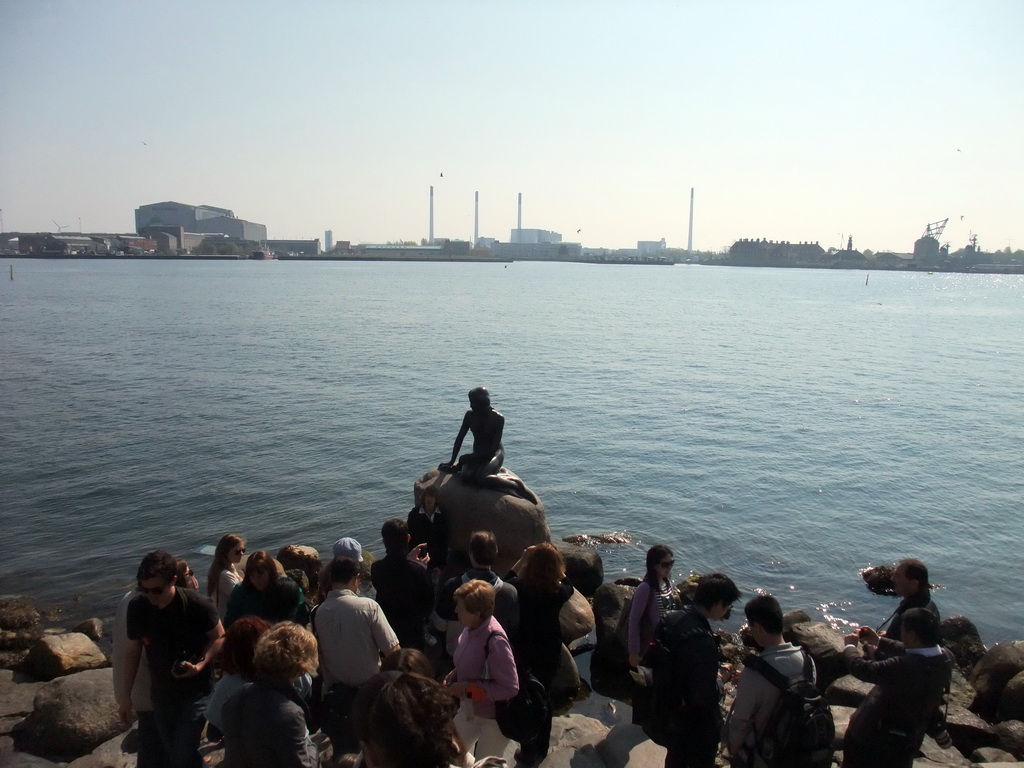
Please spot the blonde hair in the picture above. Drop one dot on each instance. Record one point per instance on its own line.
(285, 652)
(477, 597)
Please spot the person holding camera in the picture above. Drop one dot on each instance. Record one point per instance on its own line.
(182, 634)
(404, 587)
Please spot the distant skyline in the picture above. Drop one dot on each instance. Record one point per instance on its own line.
(793, 120)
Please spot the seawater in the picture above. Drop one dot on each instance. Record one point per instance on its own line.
(789, 427)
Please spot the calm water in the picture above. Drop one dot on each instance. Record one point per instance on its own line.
(789, 427)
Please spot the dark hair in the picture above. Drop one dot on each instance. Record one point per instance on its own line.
(342, 570)
(240, 645)
(431, 490)
(258, 561)
(655, 555)
(544, 569)
(766, 611)
(225, 547)
(281, 600)
(408, 660)
(181, 570)
(157, 564)
(406, 721)
(483, 547)
(714, 588)
(922, 623)
(479, 396)
(916, 570)
(395, 533)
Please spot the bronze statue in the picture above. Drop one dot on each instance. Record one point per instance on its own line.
(483, 467)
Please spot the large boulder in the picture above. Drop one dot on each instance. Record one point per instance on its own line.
(968, 731)
(17, 699)
(57, 655)
(91, 628)
(841, 718)
(627, 745)
(566, 683)
(992, 755)
(516, 522)
(611, 606)
(1011, 737)
(1011, 700)
(302, 558)
(72, 716)
(20, 628)
(576, 618)
(118, 752)
(934, 756)
(847, 691)
(583, 566)
(961, 692)
(825, 645)
(990, 676)
(962, 638)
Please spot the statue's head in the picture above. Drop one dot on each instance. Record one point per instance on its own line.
(479, 399)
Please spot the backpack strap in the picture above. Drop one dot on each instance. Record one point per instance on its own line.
(773, 676)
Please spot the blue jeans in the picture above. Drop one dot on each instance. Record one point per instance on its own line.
(151, 751)
(180, 725)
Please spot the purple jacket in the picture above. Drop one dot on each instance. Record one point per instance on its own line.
(488, 644)
(644, 615)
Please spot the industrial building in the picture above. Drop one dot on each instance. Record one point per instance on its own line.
(201, 219)
(534, 236)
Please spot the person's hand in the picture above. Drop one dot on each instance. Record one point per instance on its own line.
(458, 690)
(868, 636)
(851, 639)
(449, 678)
(186, 669)
(419, 554)
(634, 660)
(126, 713)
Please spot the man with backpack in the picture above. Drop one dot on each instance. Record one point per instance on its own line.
(779, 717)
(685, 714)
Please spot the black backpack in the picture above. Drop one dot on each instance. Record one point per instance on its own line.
(665, 695)
(800, 731)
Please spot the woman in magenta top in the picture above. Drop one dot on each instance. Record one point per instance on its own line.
(652, 599)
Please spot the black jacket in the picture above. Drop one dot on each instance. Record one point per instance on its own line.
(406, 594)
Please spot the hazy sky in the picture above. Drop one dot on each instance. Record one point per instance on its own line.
(793, 120)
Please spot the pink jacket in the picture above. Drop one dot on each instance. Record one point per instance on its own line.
(487, 645)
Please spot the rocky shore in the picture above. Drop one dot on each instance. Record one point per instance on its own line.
(57, 702)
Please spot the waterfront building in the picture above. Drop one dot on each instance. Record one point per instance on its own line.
(204, 219)
(534, 236)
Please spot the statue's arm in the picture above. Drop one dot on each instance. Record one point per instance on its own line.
(461, 436)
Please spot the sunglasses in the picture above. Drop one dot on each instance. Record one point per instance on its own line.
(239, 550)
(153, 590)
(667, 563)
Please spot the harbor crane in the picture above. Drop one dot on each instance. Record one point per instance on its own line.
(934, 229)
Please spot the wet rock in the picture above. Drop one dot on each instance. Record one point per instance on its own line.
(992, 755)
(566, 683)
(611, 606)
(798, 616)
(583, 566)
(879, 579)
(594, 539)
(516, 522)
(1011, 737)
(91, 628)
(1011, 700)
(961, 692)
(72, 716)
(629, 581)
(968, 731)
(18, 614)
(576, 618)
(20, 628)
(825, 645)
(847, 691)
(304, 559)
(990, 676)
(961, 637)
(58, 655)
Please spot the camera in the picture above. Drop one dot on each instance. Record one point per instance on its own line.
(185, 657)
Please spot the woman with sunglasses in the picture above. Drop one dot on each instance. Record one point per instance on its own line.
(653, 598)
(224, 574)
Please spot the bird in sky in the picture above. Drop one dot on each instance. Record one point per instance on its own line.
(442, 174)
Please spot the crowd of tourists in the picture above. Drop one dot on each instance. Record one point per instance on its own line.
(419, 675)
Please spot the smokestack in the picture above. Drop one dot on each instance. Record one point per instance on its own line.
(430, 231)
(519, 221)
(476, 218)
(689, 240)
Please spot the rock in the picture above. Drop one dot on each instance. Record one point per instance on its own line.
(825, 645)
(515, 522)
(968, 731)
(1011, 700)
(584, 757)
(879, 579)
(990, 676)
(961, 637)
(595, 539)
(57, 655)
(961, 692)
(73, 715)
(576, 618)
(583, 566)
(627, 745)
(687, 587)
(20, 628)
(1011, 737)
(611, 607)
(789, 618)
(576, 731)
(91, 628)
(566, 683)
(934, 755)
(17, 696)
(118, 752)
(841, 718)
(24, 760)
(302, 558)
(992, 755)
(18, 614)
(847, 691)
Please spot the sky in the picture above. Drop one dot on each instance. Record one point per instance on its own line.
(798, 121)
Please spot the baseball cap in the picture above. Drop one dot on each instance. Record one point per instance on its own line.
(348, 547)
